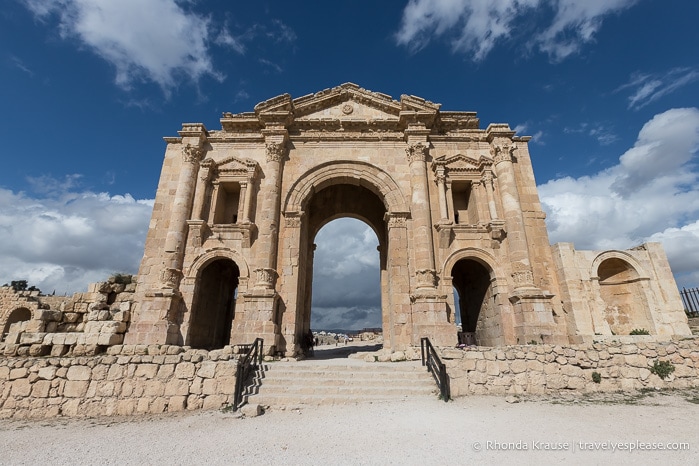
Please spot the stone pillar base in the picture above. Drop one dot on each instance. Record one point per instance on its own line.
(430, 320)
(257, 321)
(534, 322)
(154, 323)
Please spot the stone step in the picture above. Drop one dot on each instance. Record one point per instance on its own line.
(316, 383)
(293, 401)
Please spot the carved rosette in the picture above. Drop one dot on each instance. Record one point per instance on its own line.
(170, 278)
(417, 152)
(275, 151)
(265, 277)
(523, 278)
(502, 152)
(192, 154)
(426, 278)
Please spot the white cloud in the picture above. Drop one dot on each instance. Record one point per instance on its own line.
(647, 88)
(63, 241)
(154, 40)
(475, 26)
(652, 194)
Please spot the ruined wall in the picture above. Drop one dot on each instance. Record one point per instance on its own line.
(127, 380)
(82, 324)
(614, 292)
(624, 364)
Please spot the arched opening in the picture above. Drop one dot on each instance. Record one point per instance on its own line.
(346, 295)
(21, 314)
(623, 295)
(214, 305)
(474, 301)
(345, 281)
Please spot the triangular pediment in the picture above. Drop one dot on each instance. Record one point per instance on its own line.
(463, 163)
(347, 101)
(234, 166)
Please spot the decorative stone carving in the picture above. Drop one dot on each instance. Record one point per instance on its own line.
(396, 219)
(170, 278)
(502, 152)
(192, 154)
(293, 219)
(417, 152)
(426, 278)
(523, 278)
(275, 151)
(265, 277)
(347, 109)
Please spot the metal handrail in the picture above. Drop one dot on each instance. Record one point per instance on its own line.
(246, 364)
(430, 358)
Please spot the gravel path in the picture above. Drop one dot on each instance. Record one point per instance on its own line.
(421, 432)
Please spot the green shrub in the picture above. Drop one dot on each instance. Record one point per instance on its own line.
(596, 377)
(639, 331)
(662, 368)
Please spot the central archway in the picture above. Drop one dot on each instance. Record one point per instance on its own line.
(346, 291)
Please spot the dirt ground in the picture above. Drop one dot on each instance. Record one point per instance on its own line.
(488, 430)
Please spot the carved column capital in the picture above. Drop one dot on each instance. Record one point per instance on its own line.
(293, 219)
(396, 219)
(523, 278)
(275, 151)
(265, 277)
(502, 152)
(192, 154)
(426, 278)
(170, 278)
(417, 152)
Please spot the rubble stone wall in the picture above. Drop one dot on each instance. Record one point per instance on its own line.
(127, 380)
(624, 364)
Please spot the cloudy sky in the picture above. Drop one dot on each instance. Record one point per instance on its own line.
(608, 89)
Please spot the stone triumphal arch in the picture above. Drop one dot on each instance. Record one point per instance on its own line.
(229, 252)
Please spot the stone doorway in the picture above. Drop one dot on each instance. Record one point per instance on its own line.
(473, 295)
(214, 305)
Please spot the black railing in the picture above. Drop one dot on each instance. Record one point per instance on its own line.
(430, 358)
(690, 298)
(247, 363)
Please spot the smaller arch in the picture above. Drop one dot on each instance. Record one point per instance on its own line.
(619, 255)
(218, 253)
(20, 314)
(479, 255)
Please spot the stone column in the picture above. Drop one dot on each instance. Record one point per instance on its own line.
(487, 181)
(422, 216)
(201, 188)
(247, 199)
(441, 187)
(181, 210)
(268, 224)
(516, 234)
(241, 201)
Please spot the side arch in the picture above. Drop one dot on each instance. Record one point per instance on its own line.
(346, 172)
(218, 253)
(621, 255)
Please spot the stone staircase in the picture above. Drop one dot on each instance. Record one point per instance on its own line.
(302, 383)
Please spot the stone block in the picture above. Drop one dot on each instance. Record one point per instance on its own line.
(18, 373)
(251, 410)
(207, 370)
(31, 338)
(47, 373)
(78, 373)
(109, 339)
(146, 370)
(21, 387)
(40, 388)
(75, 388)
(184, 370)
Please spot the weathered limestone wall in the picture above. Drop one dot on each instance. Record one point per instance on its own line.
(128, 380)
(642, 294)
(624, 364)
(82, 324)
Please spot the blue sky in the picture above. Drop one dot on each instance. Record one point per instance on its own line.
(608, 89)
